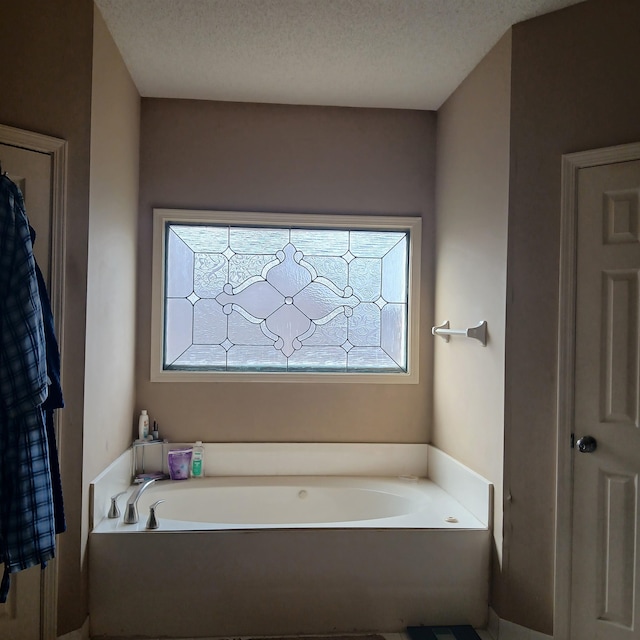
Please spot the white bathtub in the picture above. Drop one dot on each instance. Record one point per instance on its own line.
(298, 502)
(292, 555)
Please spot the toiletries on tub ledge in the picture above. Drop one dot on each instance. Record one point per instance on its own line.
(197, 460)
(143, 425)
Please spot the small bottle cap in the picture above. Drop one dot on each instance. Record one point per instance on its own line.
(198, 443)
(144, 412)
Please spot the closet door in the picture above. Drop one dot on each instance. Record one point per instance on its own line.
(605, 588)
(31, 171)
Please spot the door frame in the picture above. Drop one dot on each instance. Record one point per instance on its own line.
(57, 150)
(571, 165)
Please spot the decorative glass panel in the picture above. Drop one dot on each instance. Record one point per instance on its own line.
(285, 299)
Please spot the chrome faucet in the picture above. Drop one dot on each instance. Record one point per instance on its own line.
(131, 513)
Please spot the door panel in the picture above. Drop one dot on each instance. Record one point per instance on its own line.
(618, 496)
(31, 171)
(605, 591)
(619, 387)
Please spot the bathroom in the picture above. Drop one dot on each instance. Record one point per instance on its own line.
(484, 174)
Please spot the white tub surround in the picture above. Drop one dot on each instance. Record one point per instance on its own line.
(296, 459)
(469, 488)
(286, 554)
(116, 478)
(264, 459)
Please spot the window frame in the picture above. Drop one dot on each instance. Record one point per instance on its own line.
(161, 218)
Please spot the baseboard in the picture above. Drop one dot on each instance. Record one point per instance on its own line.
(505, 630)
(497, 628)
(79, 634)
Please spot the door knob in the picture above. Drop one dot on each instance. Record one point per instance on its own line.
(587, 444)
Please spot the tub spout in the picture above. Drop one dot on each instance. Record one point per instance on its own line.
(131, 513)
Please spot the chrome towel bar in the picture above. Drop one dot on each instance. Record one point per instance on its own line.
(478, 332)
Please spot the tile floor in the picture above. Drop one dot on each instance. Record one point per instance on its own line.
(484, 635)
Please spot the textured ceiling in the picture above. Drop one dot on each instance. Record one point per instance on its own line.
(407, 54)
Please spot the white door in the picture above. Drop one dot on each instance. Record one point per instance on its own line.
(31, 171)
(605, 584)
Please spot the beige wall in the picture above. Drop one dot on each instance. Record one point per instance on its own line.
(574, 87)
(472, 202)
(111, 291)
(45, 48)
(285, 158)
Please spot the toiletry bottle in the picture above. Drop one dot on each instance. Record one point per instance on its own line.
(143, 425)
(155, 433)
(197, 460)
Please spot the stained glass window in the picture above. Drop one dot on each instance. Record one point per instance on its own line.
(240, 298)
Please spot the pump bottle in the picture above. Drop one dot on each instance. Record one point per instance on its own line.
(197, 460)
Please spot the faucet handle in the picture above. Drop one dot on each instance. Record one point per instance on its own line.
(114, 512)
(152, 522)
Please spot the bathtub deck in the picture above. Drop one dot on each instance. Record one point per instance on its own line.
(187, 508)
